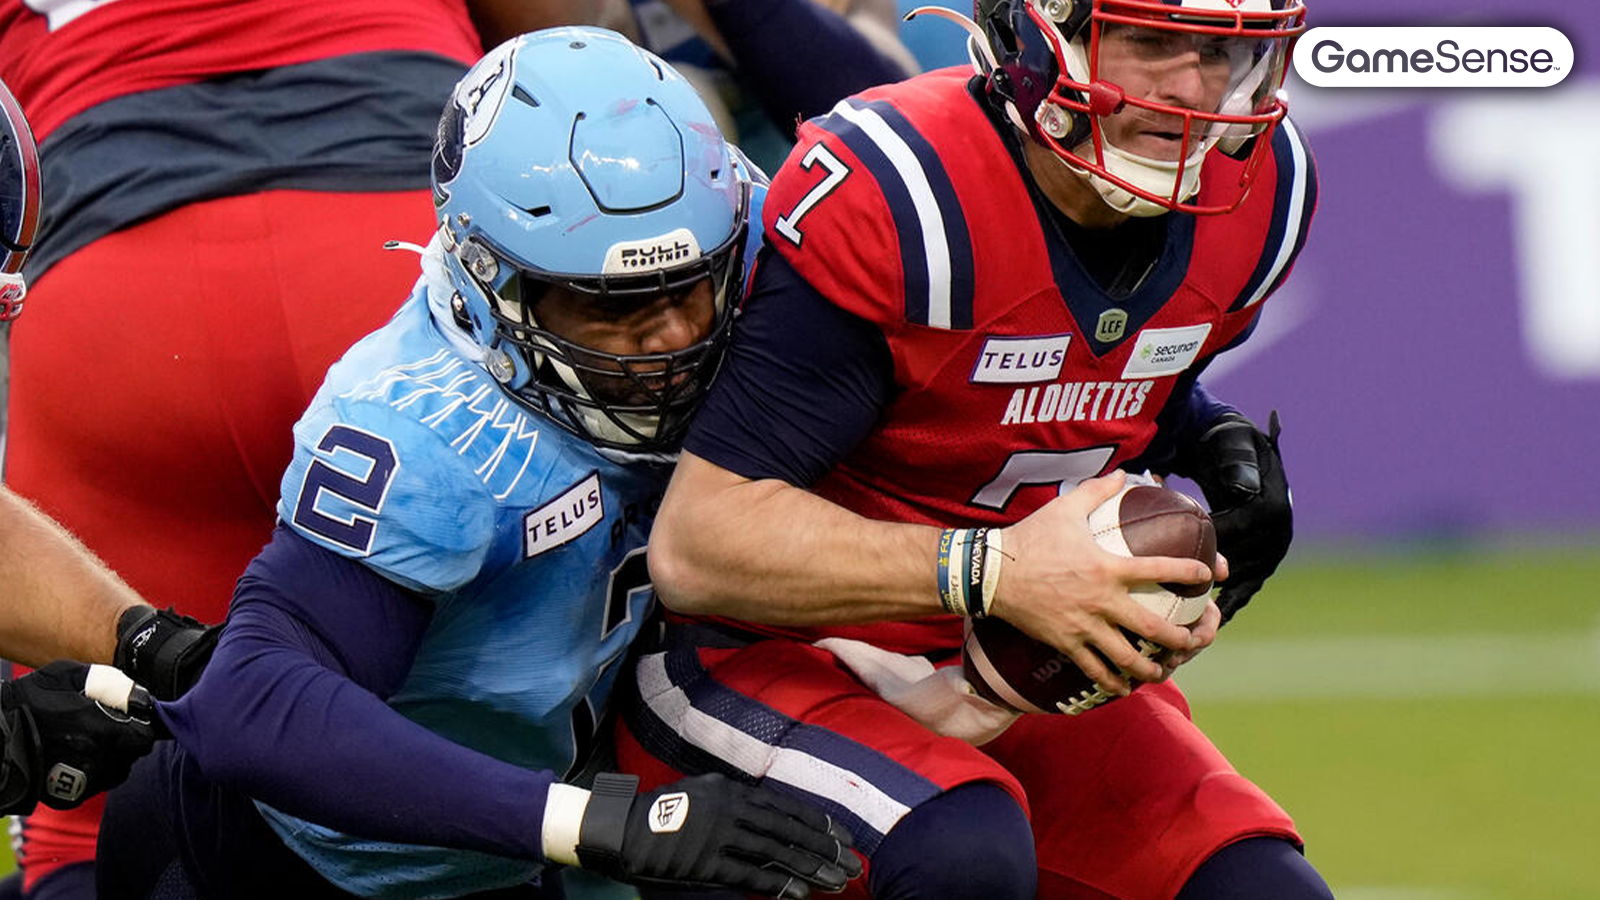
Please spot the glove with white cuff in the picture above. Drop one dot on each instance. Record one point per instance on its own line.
(704, 832)
(70, 732)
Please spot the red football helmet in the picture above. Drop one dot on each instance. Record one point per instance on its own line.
(1135, 93)
(19, 202)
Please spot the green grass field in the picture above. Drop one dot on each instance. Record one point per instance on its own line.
(1426, 717)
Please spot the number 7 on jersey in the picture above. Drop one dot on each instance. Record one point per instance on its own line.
(819, 155)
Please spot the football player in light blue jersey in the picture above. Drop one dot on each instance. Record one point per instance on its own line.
(425, 648)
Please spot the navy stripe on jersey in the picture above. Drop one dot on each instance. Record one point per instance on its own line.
(957, 241)
(1293, 200)
(913, 255)
(935, 248)
(693, 724)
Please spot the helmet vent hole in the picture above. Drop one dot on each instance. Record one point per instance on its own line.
(715, 174)
(660, 75)
(520, 93)
(538, 211)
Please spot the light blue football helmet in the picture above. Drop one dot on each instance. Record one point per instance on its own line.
(571, 157)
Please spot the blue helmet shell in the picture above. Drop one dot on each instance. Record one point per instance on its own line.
(570, 156)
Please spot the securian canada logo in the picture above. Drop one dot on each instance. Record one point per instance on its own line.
(1452, 56)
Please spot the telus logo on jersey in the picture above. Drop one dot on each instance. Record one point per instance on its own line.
(562, 520)
(1020, 360)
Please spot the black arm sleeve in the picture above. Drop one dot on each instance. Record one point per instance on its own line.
(803, 383)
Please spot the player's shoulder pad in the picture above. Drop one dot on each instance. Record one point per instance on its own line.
(1293, 181)
(408, 469)
(865, 211)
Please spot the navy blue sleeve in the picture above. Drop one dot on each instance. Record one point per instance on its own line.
(803, 383)
(290, 712)
(799, 57)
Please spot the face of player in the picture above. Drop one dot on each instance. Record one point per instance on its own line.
(1188, 71)
(662, 324)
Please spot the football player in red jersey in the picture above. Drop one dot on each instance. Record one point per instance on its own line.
(977, 293)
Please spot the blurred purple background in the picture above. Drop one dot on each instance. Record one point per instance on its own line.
(1436, 353)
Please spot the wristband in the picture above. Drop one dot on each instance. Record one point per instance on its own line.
(968, 567)
(951, 558)
(994, 555)
(564, 807)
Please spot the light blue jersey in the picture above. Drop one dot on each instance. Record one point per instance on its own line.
(529, 541)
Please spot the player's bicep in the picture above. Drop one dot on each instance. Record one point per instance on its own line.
(373, 485)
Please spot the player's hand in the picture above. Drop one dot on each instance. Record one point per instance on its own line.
(710, 832)
(1204, 630)
(162, 650)
(71, 731)
(1241, 472)
(1062, 588)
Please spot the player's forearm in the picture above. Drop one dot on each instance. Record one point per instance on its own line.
(60, 601)
(270, 720)
(765, 551)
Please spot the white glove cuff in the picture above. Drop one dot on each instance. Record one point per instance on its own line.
(108, 687)
(564, 807)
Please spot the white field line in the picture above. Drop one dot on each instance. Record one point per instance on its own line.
(1395, 667)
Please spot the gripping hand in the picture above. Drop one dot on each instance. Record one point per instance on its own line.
(71, 731)
(162, 650)
(704, 832)
(1239, 469)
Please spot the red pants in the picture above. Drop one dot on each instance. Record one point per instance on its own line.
(1126, 801)
(155, 378)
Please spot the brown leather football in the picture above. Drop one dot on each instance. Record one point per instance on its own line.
(1008, 667)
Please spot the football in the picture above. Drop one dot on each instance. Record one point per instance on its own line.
(1007, 667)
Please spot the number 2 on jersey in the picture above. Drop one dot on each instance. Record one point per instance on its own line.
(366, 493)
(818, 155)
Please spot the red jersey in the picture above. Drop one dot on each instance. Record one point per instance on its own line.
(1016, 373)
(61, 57)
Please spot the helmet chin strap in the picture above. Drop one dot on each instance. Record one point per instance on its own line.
(1158, 176)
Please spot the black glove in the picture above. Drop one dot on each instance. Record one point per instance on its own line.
(1241, 473)
(710, 832)
(162, 650)
(62, 745)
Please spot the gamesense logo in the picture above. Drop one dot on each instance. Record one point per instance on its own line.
(1433, 57)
